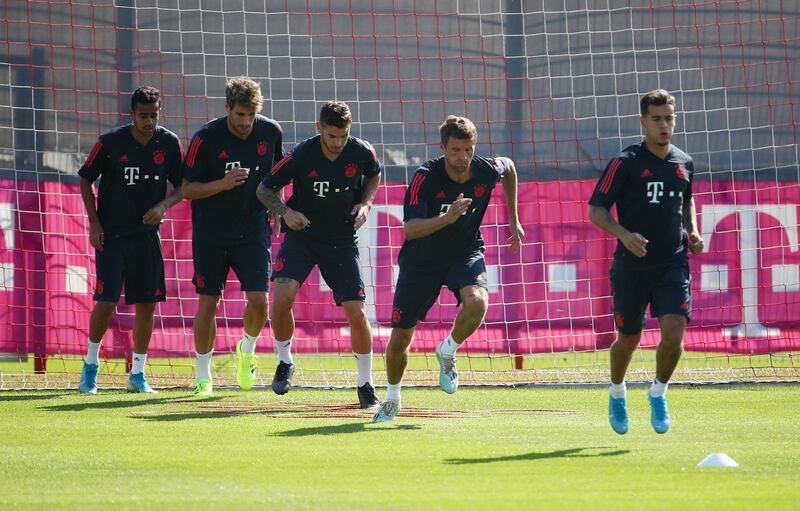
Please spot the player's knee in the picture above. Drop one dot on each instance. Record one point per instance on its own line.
(282, 303)
(400, 339)
(673, 328)
(355, 313)
(257, 300)
(208, 305)
(104, 308)
(476, 304)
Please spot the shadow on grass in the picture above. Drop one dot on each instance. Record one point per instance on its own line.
(350, 427)
(30, 396)
(90, 403)
(577, 452)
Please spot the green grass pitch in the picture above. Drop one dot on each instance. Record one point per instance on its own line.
(482, 448)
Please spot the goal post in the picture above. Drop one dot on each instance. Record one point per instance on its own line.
(554, 86)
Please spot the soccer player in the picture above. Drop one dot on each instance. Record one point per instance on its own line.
(651, 184)
(334, 178)
(226, 160)
(134, 163)
(443, 209)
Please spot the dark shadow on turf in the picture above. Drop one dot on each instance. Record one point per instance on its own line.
(25, 396)
(90, 403)
(350, 427)
(533, 456)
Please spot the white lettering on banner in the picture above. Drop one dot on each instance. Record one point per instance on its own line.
(7, 226)
(655, 190)
(786, 215)
(132, 175)
(322, 187)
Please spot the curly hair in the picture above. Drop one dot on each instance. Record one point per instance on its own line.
(145, 95)
(243, 91)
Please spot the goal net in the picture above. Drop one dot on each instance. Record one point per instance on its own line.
(553, 85)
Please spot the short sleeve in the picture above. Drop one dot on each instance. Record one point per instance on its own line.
(93, 166)
(608, 187)
(419, 192)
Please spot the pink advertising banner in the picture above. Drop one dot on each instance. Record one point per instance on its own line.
(553, 296)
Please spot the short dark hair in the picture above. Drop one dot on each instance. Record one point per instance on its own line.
(145, 95)
(244, 91)
(656, 97)
(335, 113)
(457, 127)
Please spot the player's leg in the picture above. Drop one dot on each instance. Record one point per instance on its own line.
(292, 266)
(672, 305)
(211, 266)
(466, 278)
(396, 362)
(145, 285)
(630, 300)
(340, 268)
(251, 262)
(417, 289)
(110, 266)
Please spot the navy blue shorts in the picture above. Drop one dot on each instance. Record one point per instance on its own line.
(249, 259)
(338, 264)
(418, 285)
(667, 290)
(135, 260)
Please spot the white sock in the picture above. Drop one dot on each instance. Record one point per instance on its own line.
(449, 347)
(93, 352)
(658, 389)
(393, 392)
(284, 349)
(618, 390)
(364, 365)
(249, 343)
(204, 366)
(138, 363)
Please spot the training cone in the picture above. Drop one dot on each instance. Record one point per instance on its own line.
(718, 459)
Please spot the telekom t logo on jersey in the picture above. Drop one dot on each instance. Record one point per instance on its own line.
(655, 190)
(131, 175)
(322, 187)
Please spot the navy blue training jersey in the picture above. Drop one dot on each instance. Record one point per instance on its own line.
(431, 193)
(237, 213)
(325, 191)
(133, 177)
(649, 193)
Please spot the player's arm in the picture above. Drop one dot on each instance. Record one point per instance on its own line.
(156, 214)
(194, 184)
(633, 241)
(96, 234)
(196, 190)
(361, 210)
(604, 196)
(510, 191)
(696, 243)
(421, 227)
(273, 200)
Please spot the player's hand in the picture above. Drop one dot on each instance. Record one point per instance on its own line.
(515, 240)
(276, 224)
(696, 243)
(154, 215)
(96, 236)
(235, 177)
(295, 220)
(359, 213)
(457, 208)
(636, 243)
